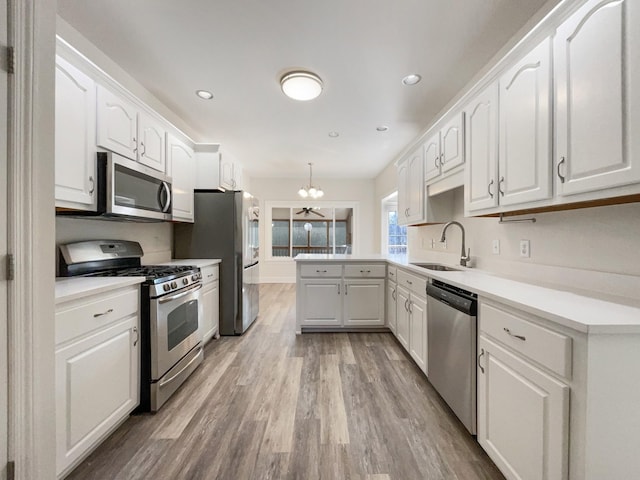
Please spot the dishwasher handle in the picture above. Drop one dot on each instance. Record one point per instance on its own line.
(463, 303)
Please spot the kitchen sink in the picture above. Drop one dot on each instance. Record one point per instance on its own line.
(436, 266)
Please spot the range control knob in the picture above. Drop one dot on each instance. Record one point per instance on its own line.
(185, 281)
(166, 287)
(194, 278)
(174, 285)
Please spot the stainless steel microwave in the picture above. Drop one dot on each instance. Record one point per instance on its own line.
(129, 189)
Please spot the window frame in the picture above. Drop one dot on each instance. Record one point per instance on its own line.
(389, 204)
(268, 233)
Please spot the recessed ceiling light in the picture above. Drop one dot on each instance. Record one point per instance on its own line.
(204, 94)
(301, 86)
(382, 128)
(411, 79)
(334, 134)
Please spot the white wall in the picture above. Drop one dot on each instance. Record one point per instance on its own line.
(286, 189)
(577, 249)
(155, 238)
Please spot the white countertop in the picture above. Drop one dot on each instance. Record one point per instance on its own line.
(196, 262)
(576, 311)
(71, 288)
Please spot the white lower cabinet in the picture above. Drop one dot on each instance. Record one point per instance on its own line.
(418, 330)
(210, 303)
(335, 295)
(523, 415)
(391, 307)
(97, 365)
(411, 316)
(402, 317)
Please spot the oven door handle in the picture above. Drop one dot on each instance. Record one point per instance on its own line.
(181, 294)
(173, 377)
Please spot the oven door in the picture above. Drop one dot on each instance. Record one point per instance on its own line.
(175, 321)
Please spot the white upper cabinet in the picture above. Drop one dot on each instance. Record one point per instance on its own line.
(227, 174)
(117, 124)
(129, 131)
(75, 138)
(597, 53)
(214, 172)
(152, 142)
(525, 129)
(414, 189)
(481, 122)
(402, 174)
(182, 168)
(445, 149)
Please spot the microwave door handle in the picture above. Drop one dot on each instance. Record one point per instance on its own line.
(167, 191)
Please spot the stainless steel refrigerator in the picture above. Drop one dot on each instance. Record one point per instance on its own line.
(226, 227)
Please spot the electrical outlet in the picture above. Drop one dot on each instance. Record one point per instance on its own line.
(525, 248)
(433, 243)
(496, 247)
(443, 245)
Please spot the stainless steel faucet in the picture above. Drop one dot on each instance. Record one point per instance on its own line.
(465, 256)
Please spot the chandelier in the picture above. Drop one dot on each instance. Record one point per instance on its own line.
(310, 191)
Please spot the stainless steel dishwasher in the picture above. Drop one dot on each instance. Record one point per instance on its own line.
(451, 320)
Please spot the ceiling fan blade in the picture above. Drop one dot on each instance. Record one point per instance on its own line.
(301, 211)
(317, 213)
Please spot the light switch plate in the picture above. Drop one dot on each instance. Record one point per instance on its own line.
(525, 248)
(496, 247)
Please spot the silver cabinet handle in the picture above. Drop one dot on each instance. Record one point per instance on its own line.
(410, 309)
(346, 291)
(436, 161)
(96, 315)
(93, 185)
(562, 179)
(500, 186)
(405, 305)
(338, 289)
(144, 149)
(519, 337)
(321, 271)
(365, 271)
(479, 357)
(489, 188)
(409, 282)
(135, 149)
(393, 294)
(135, 330)
(442, 159)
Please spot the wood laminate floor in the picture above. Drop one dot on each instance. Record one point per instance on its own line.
(273, 405)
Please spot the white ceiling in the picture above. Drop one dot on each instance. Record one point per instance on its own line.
(361, 49)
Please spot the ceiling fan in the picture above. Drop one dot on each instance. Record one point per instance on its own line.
(308, 210)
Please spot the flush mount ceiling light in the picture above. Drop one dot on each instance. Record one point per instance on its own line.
(334, 134)
(310, 191)
(382, 128)
(301, 86)
(411, 79)
(204, 94)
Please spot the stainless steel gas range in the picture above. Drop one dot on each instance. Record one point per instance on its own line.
(171, 337)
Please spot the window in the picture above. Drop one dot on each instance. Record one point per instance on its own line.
(324, 230)
(394, 238)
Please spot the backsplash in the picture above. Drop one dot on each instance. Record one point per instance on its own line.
(579, 249)
(155, 238)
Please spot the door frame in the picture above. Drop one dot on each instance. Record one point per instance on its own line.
(31, 234)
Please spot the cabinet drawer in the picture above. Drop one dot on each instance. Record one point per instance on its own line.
(365, 271)
(548, 348)
(321, 270)
(414, 283)
(85, 315)
(392, 273)
(209, 274)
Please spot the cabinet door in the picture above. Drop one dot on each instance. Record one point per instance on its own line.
(152, 146)
(117, 124)
(525, 128)
(598, 97)
(321, 302)
(391, 306)
(227, 179)
(402, 318)
(210, 311)
(418, 331)
(97, 386)
(416, 186)
(183, 168)
(452, 143)
(523, 416)
(403, 205)
(363, 303)
(481, 147)
(75, 154)
(432, 157)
